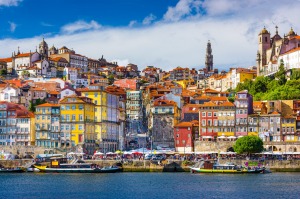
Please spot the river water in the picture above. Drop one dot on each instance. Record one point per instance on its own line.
(150, 185)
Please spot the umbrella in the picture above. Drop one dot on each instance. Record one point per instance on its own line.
(119, 152)
(137, 153)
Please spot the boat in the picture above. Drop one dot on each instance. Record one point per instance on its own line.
(32, 169)
(13, 170)
(60, 165)
(210, 167)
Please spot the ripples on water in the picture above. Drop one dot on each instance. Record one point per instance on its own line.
(150, 185)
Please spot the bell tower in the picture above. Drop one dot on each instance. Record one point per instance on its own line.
(264, 43)
(209, 57)
(43, 49)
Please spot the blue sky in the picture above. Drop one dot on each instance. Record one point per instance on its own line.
(163, 33)
(40, 17)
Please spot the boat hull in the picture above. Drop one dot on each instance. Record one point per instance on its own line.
(11, 171)
(197, 170)
(77, 170)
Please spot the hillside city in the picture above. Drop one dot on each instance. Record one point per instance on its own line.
(56, 98)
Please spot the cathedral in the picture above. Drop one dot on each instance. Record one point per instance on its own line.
(273, 50)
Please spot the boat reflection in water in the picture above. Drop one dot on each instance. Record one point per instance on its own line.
(210, 167)
(61, 165)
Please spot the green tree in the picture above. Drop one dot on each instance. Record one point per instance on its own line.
(295, 74)
(111, 79)
(32, 105)
(25, 73)
(3, 72)
(280, 75)
(260, 85)
(248, 144)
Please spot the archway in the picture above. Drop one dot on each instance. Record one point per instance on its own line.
(292, 149)
(230, 149)
(272, 148)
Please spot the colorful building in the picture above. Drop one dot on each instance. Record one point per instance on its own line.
(244, 106)
(165, 115)
(77, 122)
(226, 120)
(47, 126)
(208, 121)
(16, 125)
(184, 136)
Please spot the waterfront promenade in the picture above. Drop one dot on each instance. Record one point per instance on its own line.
(168, 165)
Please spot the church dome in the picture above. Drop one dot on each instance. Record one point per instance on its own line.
(43, 43)
(291, 32)
(53, 48)
(264, 31)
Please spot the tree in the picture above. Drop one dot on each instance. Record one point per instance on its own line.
(280, 75)
(111, 79)
(3, 72)
(295, 74)
(248, 144)
(37, 102)
(25, 73)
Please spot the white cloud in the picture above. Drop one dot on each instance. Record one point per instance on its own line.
(182, 9)
(12, 26)
(132, 23)
(10, 2)
(80, 26)
(46, 24)
(149, 19)
(182, 42)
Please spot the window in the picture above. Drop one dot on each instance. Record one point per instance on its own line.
(177, 135)
(203, 114)
(189, 128)
(67, 107)
(209, 114)
(73, 107)
(73, 127)
(80, 117)
(62, 107)
(80, 107)
(73, 117)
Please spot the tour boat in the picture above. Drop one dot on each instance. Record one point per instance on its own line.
(60, 165)
(13, 170)
(209, 167)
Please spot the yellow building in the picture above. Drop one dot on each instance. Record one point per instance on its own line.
(226, 120)
(99, 98)
(47, 125)
(288, 127)
(106, 116)
(77, 122)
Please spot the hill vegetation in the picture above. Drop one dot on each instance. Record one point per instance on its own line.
(274, 88)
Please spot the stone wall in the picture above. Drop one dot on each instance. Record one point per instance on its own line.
(205, 146)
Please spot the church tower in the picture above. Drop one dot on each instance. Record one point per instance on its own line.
(43, 49)
(264, 43)
(208, 58)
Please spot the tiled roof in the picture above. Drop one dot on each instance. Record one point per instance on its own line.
(9, 59)
(23, 55)
(48, 105)
(164, 103)
(184, 124)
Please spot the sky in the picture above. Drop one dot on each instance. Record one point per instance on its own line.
(160, 33)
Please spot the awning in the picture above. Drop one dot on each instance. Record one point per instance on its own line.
(231, 137)
(207, 137)
(222, 137)
(205, 152)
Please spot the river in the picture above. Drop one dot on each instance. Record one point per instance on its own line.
(150, 185)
